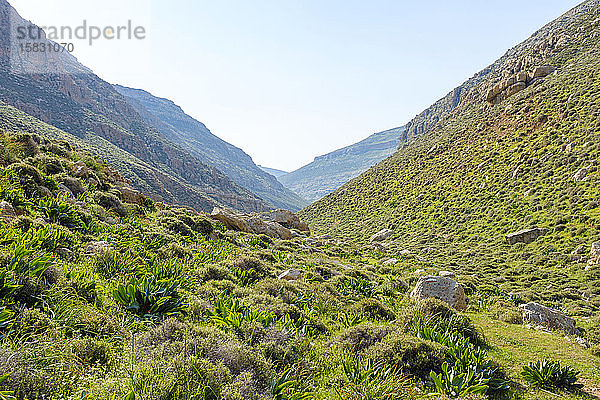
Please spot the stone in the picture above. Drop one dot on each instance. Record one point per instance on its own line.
(405, 252)
(268, 228)
(7, 211)
(542, 71)
(286, 218)
(64, 252)
(442, 288)
(382, 235)
(63, 189)
(290, 275)
(581, 174)
(80, 170)
(522, 76)
(515, 88)
(537, 314)
(96, 247)
(324, 237)
(447, 274)
(390, 261)
(132, 196)
(594, 257)
(420, 272)
(525, 235)
(230, 220)
(380, 247)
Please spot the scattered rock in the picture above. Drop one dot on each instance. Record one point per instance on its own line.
(390, 261)
(420, 272)
(271, 229)
(80, 170)
(7, 212)
(525, 235)
(132, 196)
(542, 71)
(580, 175)
(517, 87)
(382, 235)
(63, 189)
(405, 252)
(447, 274)
(96, 247)
(286, 218)
(230, 220)
(440, 287)
(594, 257)
(64, 252)
(290, 275)
(549, 318)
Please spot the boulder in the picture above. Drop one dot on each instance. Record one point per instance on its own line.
(230, 220)
(286, 218)
(442, 288)
(549, 318)
(290, 275)
(80, 170)
(447, 274)
(7, 211)
(390, 261)
(522, 76)
(517, 87)
(382, 235)
(271, 229)
(61, 188)
(129, 195)
(542, 71)
(96, 247)
(594, 257)
(525, 235)
(580, 175)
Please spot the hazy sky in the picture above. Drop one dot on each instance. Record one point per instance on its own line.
(289, 80)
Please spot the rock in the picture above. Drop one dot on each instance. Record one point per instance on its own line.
(525, 235)
(421, 259)
(579, 250)
(286, 218)
(64, 252)
(522, 76)
(594, 257)
(555, 320)
(390, 261)
(419, 272)
(129, 195)
(405, 252)
(96, 247)
(44, 191)
(542, 71)
(290, 275)
(230, 220)
(7, 211)
(580, 175)
(268, 228)
(382, 235)
(515, 88)
(582, 342)
(80, 170)
(447, 274)
(440, 287)
(324, 237)
(63, 189)
(380, 247)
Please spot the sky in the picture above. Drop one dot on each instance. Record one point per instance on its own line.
(290, 80)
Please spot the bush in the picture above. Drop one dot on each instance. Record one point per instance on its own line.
(92, 352)
(110, 202)
(506, 311)
(373, 309)
(361, 337)
(546, 374)
(150, 298)
(409, 354)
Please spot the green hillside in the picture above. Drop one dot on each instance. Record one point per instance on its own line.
(330, 171)
(484, 170)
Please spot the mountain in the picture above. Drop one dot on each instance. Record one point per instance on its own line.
(277, 173)
(330, 171)
(56, 89)
(192, 135)
(515, 147)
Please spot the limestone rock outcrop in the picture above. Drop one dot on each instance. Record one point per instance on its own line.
(442, 288)
(525, 235)
(538, 314)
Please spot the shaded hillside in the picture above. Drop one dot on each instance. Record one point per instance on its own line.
(275, 172)
(76, 101)
(328, 172)
(178, 127)
(527, 158)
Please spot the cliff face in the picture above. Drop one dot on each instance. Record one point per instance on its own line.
(330, 171)
(69, 96)
(192, 135)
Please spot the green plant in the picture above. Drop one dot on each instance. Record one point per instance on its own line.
(150, 298)
(60, 212)
(457, 384)
(282, 388)
(546, 374)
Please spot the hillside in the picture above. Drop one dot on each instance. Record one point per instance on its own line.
(73, 99)
(275, 172)
(330, 171)
(192, 135)
(503, 152)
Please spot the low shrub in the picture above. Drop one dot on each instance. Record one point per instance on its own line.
(372, 309)
(361, 337)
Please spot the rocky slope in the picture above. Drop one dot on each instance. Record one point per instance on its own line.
(515, 147)
(330, 171)
(76, 101)
(273, 171)
(192, 135)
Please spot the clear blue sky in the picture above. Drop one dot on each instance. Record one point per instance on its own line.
(289, 80)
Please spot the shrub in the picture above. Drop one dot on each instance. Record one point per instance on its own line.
(33, 322)
(506, 311)
(92, 352)
(110, 202)
(373, 309)
(361, 337)
(60, 212)
(409, 354)
(150, 298)
(546, 374)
